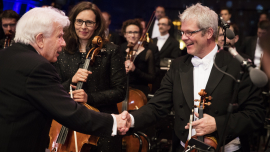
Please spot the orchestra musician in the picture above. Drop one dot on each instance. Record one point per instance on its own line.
(142, 69)
(31, 93)
(9, 19)
(195, 71)
(106, 84)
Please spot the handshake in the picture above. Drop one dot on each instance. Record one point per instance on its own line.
(123, 122)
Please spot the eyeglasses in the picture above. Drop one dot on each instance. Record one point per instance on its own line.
(189, 34)
(162, 24)
(130, 32)
(11, 25)
(88, 23)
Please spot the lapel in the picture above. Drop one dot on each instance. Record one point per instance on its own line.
(253, 47)
(186, 78)
(166, 45)
(155, 41)
(215, 75)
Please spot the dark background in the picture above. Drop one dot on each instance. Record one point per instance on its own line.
(245, 13)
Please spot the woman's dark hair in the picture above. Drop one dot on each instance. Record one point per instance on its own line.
(135, 22)
(70, 36)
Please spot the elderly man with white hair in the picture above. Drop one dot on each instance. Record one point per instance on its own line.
(31, 94)
(195, 71)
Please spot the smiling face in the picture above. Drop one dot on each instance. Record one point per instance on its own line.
(132, 34)
(228, 41)
(53, 44)
(196, 43)
(85, 32)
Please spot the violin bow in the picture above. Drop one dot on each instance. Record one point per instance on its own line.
(75, 135)
(144, 34)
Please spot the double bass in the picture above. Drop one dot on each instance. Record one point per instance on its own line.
(61, 138)
(207, 139)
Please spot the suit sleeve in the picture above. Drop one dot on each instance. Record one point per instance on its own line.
(159, 106)
(45, 92)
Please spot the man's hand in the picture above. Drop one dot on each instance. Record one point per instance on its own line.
(81, 75)
(123, 122)
(79, 95)
(204, 126)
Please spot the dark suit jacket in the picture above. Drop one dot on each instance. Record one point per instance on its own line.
(150, 31)
(31, 96)
(177, 91)
(248, 47)
(170, 49)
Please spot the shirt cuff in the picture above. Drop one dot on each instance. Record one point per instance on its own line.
(132, 121)
(114, 128)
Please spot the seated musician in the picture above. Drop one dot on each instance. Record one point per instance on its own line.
(31, 93)
(142, 69)
(195, 71)
(9, 19)
(105, 85)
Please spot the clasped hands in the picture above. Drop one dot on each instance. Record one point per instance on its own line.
(123, 122)
(203, 126)
(129, 66)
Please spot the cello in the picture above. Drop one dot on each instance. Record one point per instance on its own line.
(207, 139)
(61, 138)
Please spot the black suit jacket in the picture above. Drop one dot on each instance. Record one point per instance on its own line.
(150, 31)
(31, 95)
(170, 49)
(177, 91)
(249, 46)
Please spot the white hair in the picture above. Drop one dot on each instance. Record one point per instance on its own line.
(39, 20)
(205, 17)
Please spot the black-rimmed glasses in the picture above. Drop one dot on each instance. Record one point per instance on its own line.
(189, 34)
(88, 23)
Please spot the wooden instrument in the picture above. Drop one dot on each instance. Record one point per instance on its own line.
(61, 138)
(209, 140)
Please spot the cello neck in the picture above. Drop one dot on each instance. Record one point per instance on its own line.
(85, 66)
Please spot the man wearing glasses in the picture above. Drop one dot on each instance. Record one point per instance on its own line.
(195, 71)
(9, 20)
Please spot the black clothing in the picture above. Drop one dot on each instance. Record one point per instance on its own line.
(170, 49)
(105, 87)
(31, 95)
(177, 91)
(144, 72)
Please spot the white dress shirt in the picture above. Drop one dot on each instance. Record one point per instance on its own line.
(161, 40)
(258, 54)
(155, 32)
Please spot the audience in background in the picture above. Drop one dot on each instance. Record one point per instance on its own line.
(9, 19)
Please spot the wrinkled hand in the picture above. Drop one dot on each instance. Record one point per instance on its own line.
(81, 75)
(129, 66)
(203, 126)
(79, 95)
(123, 122)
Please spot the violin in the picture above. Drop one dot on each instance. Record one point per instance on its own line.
(61, 138)
(207, 139)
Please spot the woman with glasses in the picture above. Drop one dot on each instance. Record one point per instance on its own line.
(142, 69)
(105, 85)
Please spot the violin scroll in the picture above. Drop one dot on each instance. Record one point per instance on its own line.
(97, 45)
